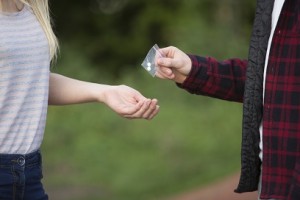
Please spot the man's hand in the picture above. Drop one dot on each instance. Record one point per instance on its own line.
(174, 65)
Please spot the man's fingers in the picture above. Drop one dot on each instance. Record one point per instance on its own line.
(164, 72)
(165, 62)
(167, 51)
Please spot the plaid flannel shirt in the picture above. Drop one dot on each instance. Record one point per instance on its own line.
(281, 111)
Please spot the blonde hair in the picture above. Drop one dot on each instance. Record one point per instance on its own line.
(41, 10)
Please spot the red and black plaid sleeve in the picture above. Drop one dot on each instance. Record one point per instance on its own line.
(220, 79)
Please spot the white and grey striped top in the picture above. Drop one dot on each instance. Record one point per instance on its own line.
(24, 82)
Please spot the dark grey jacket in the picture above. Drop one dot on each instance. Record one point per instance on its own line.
(252, 104)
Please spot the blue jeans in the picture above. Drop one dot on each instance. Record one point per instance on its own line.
(20, 177)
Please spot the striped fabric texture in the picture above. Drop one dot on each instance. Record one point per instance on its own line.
(24, 82)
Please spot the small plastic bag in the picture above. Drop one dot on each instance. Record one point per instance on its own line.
(149, 63)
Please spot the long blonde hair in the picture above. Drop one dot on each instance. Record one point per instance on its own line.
(41, 10)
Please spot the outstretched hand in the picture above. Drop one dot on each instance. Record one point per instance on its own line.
(129, 103)
(175, 65)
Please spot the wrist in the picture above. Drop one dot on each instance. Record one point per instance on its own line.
(185, 71)
(179, 78)
(99, 92)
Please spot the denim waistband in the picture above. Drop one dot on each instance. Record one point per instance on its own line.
(20, 159)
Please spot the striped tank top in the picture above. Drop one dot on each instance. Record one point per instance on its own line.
(24, 82)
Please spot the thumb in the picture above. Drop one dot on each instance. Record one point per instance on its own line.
(167, 62)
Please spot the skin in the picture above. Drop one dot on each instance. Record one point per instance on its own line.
(123, 100)
(11, 5)
(175, 65)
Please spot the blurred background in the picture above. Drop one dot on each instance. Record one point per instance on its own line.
(92, 153)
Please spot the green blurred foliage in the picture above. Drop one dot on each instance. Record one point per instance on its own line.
(90, 152)
(116, 34)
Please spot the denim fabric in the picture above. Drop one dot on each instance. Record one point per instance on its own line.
(20, 177)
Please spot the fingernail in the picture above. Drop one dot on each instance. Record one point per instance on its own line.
(159, 61)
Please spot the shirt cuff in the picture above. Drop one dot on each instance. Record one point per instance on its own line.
(198, 65)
